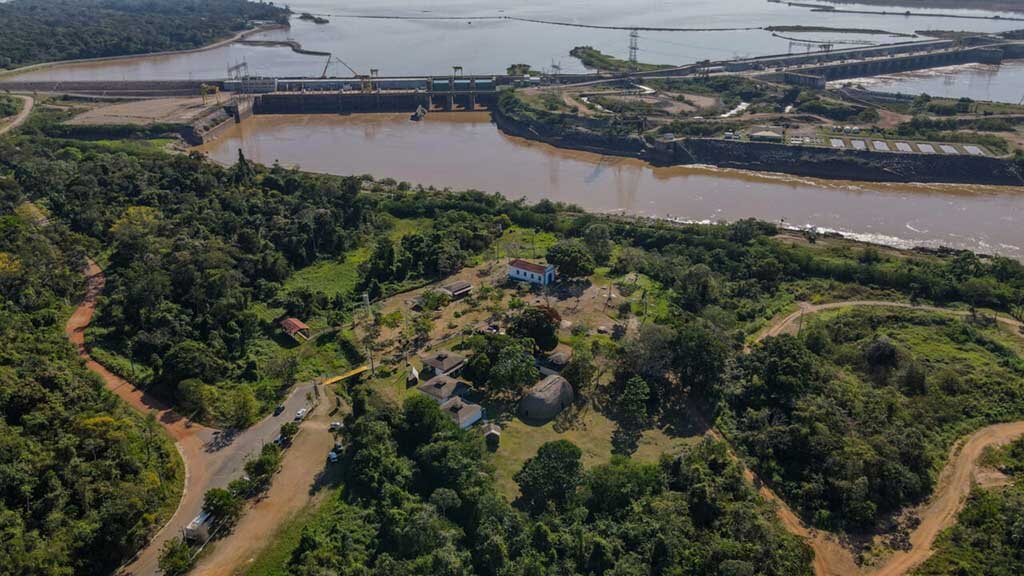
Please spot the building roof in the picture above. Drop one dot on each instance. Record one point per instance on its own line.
(766, 134)
(457, 286)
(293, 325)
(491, 428)
(461, 411)
(439, 387)
(444, 360)
(528, 266)
(546, 399)
(558, 359)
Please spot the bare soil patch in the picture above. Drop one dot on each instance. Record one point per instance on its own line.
(146, 112)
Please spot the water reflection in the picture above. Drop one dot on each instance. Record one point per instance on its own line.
(464, 150)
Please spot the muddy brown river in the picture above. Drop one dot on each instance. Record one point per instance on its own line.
(465, 150)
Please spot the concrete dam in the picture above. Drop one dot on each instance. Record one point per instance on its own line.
(345, 96)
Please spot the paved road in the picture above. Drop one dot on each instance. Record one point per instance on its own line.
(831, 558)
(212, 457)
(21, 116)
(300, 483)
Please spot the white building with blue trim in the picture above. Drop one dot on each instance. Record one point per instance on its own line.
(526, 271)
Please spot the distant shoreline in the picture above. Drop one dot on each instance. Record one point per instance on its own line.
(983, 5)
(128, 57)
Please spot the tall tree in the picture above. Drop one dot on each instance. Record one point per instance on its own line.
(539, 324)
(572, 258)
(551, 476)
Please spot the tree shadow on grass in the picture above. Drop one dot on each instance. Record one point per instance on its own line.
(625, 440)
(330, 476)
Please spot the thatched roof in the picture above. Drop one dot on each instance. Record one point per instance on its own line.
(545, 400)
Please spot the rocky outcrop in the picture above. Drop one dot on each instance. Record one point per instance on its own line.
(577, 136)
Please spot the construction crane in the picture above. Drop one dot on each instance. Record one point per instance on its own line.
(333, 57)
(822, 45)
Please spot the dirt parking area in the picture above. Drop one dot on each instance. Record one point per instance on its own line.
(145, 112)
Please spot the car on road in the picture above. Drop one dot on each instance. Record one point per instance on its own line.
(279, 409)
(335, 426)
(332, 457)
(301, 413)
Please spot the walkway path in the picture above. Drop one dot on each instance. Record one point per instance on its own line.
(831, 558)
(212, 457)
(21, 116)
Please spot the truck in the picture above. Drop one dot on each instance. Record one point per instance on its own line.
(198, 530)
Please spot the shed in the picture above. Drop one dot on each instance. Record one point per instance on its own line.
(766, 136)
(458, 289)
(492, 435)
(545, 400)
(295, 328)
(441, 388)
(465, 414)
(444, 362)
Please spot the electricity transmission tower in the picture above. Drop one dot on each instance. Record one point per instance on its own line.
(634, 46)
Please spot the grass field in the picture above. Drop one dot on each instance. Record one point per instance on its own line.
(591, 431)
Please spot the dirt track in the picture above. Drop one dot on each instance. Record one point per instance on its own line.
(212, 457)
(21, 116)
(300, 483)
(831, 558)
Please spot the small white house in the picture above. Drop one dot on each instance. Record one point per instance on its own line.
(526, 271)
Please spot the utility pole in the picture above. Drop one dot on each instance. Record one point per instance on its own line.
(497, 243)
(369, 343)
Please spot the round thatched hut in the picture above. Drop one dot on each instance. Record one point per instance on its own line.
(545, 400)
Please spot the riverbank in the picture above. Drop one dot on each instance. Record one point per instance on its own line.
(128, 58)
(981, 5)
(464, 150)
(814, 162)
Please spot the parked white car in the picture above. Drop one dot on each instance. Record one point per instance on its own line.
(335, 426)
(301, 413)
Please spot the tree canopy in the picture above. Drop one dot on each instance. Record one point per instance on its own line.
(49, 30)
(84, 481)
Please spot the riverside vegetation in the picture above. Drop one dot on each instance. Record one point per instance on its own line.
(201, 260)
(38, 31)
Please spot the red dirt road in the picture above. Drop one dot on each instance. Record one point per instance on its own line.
(304, 473)
(189, 439)
(212, 457)
(21, 116)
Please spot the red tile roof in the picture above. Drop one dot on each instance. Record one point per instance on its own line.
(293, 325)
(528, 266)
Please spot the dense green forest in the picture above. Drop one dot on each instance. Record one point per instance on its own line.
(196, 257)
(83, 480)
(853, 420)
(988, 538)
(419, 500)
(9, 106)
(202, 260)
(37, 31)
